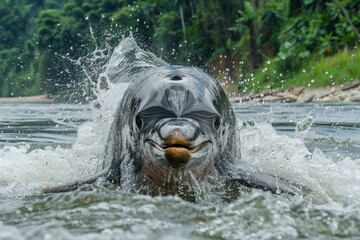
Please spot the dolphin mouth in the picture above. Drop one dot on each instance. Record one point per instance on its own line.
(188, 147)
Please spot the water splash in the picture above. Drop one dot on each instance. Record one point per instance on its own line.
(331, 209)
(128, 59)
(331, 182)
(26, 171)
(303, 126)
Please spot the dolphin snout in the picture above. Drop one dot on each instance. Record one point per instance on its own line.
(181, 128)
(177, 137)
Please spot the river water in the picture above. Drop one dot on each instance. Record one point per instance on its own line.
(47, 144)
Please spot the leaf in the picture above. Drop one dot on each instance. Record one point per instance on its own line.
(249, 13)
(287, 44)
(304, 54)
(307, 2)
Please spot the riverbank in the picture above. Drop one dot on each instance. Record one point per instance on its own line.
(344, 93)
(45, 98)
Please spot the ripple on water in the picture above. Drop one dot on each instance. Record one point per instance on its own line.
(106, 214)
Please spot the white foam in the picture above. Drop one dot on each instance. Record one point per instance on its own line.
(25, 172)
(279, 155)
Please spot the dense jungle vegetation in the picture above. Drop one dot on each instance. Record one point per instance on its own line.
(255, 43)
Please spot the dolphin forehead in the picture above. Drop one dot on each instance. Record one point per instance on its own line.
(179, 92)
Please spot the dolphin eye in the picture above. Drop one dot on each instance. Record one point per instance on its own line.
(139, 122)
(216, 123)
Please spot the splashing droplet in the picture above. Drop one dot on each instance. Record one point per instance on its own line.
(304, 125)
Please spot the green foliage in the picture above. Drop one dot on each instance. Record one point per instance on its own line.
(315, 29)
(317, 71)
(43, 43)
(323, 71)
(168, 33)
(259, 27)
(15, 50)
(320, 27)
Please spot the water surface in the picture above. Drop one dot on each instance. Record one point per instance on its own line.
(41, 123)
(44, 144)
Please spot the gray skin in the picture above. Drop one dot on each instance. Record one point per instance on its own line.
(166, 100)
(187, 104)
